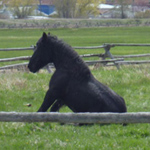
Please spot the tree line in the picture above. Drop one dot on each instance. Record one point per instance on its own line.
(77, 8)
(64, 8)
(70, 8)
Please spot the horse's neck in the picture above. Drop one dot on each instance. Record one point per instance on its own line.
(64, 58)
(68, 60)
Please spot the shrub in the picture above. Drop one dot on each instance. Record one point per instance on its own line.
(145, 14)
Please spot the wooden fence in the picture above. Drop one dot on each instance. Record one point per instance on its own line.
(114, 60)
(88, 118)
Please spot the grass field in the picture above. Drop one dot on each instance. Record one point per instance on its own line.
(20, 88)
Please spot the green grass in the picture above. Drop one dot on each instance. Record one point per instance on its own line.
(78, 37)
(17, 89)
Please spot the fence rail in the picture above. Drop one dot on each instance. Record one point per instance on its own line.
(14, 66)
(15, 59)
(113, 45)
(16, 49)
(131, 56)
(88, 118)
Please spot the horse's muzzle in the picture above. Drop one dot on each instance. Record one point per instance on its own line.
(31, 68)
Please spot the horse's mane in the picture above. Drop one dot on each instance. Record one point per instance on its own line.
(63, 48)
(69, 56)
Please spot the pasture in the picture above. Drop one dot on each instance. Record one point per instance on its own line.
(17, 89)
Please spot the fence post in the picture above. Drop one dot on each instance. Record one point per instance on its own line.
(107, 53)
(49, 69)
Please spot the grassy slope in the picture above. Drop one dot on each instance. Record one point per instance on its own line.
(18, 89)
(77, 37)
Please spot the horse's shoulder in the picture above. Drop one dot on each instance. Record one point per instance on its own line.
(59, 78)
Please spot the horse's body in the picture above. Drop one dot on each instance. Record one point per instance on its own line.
(72, 83)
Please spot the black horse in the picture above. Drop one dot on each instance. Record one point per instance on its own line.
(72, 83)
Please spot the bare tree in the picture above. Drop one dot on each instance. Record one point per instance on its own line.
(87, 8)
(22, 8)
(123, 5)
(65, 8)
(76, 8)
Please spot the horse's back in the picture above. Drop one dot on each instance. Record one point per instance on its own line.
(93, 96)
(112, 101)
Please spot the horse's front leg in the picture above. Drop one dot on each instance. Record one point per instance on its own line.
(49, 99)
(57, 105)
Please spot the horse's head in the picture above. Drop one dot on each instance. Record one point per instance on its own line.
(41, 56)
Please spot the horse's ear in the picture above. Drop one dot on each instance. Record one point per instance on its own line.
(49, 34)
(44, 37)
